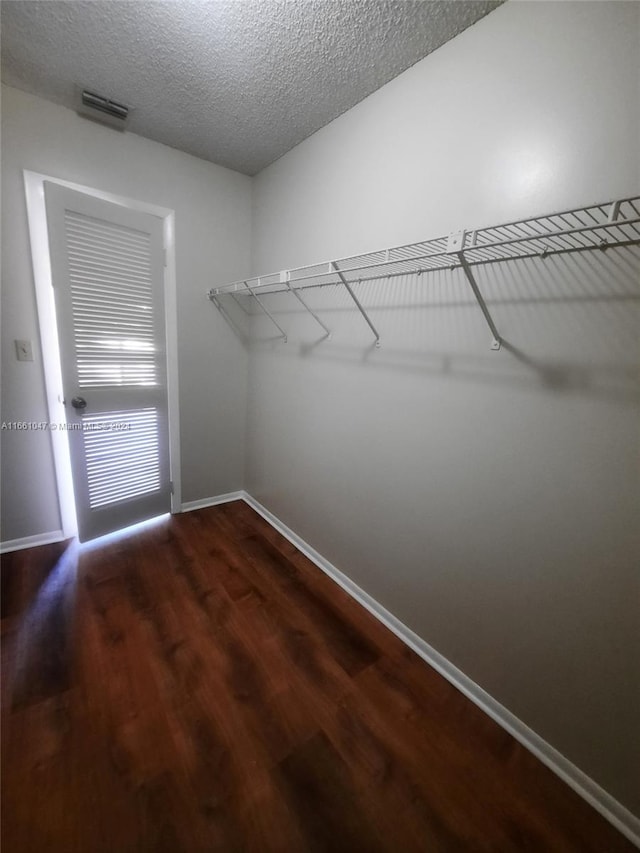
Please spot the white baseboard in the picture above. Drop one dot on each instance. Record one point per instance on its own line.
(32, 541)
(218, 499)
(58, 535)
(623, 820)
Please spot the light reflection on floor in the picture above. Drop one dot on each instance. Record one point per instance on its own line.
(42, 639)
(110, 538)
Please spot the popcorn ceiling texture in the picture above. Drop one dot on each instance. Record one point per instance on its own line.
(237, 82)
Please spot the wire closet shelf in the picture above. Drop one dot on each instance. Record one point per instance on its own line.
(600, 226)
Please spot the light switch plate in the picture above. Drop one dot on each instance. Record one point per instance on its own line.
(24, 351)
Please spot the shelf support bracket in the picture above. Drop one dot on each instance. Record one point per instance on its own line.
(614, 212)
(267, 312)
(226, 315)
(304, 304)
(239, 304)
(344, 281)
(455, 246)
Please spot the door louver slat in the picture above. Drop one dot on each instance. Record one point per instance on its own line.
(132, 465)
(101, 228)
(112, 303)
(87, 285)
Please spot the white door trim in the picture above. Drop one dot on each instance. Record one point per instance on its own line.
(36, 214)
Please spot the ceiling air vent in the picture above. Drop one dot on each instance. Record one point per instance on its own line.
(101, 109)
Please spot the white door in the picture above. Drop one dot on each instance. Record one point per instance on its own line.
(107, 268)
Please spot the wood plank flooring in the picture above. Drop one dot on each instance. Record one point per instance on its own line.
(201, 686)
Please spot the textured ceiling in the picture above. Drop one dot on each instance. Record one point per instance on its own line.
(237, 82)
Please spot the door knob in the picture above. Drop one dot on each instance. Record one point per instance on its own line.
(79, 403)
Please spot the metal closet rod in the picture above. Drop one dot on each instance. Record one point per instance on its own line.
(463, 249)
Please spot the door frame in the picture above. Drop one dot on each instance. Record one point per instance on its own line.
(41, 260)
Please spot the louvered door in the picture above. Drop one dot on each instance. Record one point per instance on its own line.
(107, 269)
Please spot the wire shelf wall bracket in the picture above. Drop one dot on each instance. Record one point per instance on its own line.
(283, 334)
(334, 265)
(227, 316)
(605, 226)
(284, 276)
(455, 247)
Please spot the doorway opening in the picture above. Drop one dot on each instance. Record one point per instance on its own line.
(70, 502)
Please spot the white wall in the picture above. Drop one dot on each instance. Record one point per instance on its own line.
(489, 500)
(213, 229)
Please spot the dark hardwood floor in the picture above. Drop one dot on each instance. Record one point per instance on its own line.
(200, 686)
